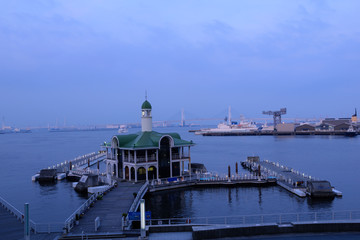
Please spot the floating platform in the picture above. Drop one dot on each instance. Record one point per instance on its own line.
(293, 181)
(215, 182)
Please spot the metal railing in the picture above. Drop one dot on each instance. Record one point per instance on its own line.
(264, 218)
(70, 221)
(138, 197)
(11, 209)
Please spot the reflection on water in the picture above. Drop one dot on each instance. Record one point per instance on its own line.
(196, 202)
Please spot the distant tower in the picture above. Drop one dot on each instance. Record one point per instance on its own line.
(146, 118)
(229, 116)
(354, 117)
(182, 123)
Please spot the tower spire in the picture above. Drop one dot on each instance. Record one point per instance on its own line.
(145, 95)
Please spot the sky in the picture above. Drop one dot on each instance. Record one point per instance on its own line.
(91, 61)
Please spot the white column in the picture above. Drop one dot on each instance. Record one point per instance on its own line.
(123, 171)
(157, 162)
(129, 173)
(189, 163)
(135, 174)
(135, 156)
(146, 156)
(170, 162)
(147, 174)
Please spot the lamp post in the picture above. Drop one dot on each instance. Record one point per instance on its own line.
(142, 218)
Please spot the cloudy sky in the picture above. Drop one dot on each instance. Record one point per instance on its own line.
(91, 61)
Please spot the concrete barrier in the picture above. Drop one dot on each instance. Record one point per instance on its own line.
(222, 231)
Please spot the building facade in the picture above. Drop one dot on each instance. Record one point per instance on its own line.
(147, 155)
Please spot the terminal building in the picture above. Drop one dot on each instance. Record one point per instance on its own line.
(147, 155)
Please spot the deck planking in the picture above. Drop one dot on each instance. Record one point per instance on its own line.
(109, 209)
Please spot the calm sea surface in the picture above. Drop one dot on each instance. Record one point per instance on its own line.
(335, 158)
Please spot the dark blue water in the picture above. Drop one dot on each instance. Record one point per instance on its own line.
(329, 157)
(335, 158)
(24, 154)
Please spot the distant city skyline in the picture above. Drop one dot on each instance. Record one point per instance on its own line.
(90, 62)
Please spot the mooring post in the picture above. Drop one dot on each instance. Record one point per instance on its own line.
(26, 222)
(70, 167)
(98, 165)
(236, 169)
(229, 173)
(88, 162)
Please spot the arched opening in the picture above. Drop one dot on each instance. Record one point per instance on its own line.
(132, 174)
(141, 174)
(164, 158)
(152, 173)
(127, 173)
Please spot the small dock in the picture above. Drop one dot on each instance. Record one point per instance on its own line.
(294, 181)
(209, 180)
(78, 164)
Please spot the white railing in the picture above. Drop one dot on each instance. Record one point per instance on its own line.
(264, 218)
(78, 161)
(69, 222)
(13, 210)
(138, 197)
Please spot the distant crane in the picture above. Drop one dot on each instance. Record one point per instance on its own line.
(276, 115)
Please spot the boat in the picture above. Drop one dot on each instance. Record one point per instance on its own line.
(122, 129)
(229, 126)
(319, 189)
(47, 175)
(351, 132)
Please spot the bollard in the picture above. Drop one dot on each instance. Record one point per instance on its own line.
(229, 173)
(236, 168)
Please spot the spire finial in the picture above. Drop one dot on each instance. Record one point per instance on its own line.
(145, 95)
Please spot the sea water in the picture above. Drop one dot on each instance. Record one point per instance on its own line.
(334, 158)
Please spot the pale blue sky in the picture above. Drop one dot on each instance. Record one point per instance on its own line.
(91, 61)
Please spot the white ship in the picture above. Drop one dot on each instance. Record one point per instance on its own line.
(230, 127)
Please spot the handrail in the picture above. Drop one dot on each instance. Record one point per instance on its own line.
(136, 201)
(13, 210)
(69, 222)
(264, 218)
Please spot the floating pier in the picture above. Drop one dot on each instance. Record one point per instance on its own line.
(294, 181)
(78, 166)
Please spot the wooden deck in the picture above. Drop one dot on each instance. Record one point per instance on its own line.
(109, 209)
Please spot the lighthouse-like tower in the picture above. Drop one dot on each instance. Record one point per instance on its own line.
(146, 118)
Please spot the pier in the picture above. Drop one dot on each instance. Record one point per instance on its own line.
(109, 210)
(77, 166)
(292, 180)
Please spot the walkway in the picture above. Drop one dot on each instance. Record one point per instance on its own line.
(110, 209)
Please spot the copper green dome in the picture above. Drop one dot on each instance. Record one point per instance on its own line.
(146, 105)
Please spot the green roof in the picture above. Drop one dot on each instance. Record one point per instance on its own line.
(148, 140)
(146, 105)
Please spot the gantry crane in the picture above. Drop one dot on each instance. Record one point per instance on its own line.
(276, 115)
